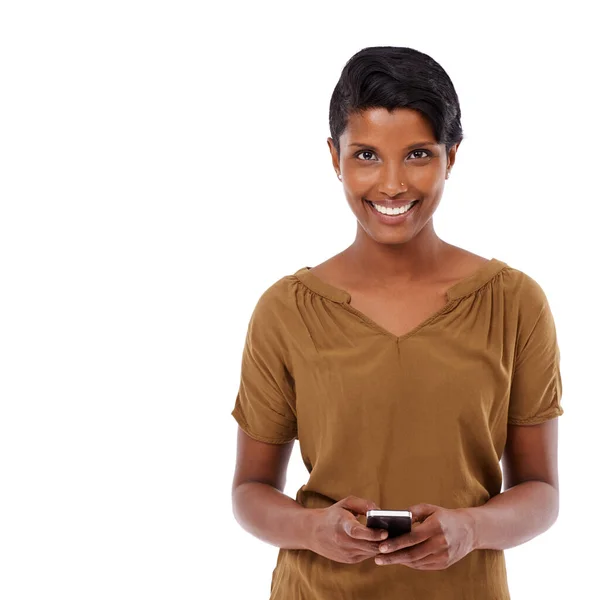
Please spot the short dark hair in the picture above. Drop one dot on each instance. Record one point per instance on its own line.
(396, 77)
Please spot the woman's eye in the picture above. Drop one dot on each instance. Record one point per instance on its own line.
(423, 153)
(365, 152)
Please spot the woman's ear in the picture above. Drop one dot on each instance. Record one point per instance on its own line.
(452, 156)
(334, 156)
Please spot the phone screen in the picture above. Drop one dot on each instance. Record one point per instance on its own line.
(395, 522)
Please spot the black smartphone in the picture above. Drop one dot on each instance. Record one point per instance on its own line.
(396, 522)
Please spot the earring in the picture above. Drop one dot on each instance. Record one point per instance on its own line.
(339, 176)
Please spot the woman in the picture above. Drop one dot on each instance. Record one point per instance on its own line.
(406, 367)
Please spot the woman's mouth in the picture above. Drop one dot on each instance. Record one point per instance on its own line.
(391, 216)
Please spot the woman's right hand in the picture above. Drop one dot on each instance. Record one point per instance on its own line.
(337, 534)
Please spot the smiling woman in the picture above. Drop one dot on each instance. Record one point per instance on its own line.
(397, 145)
(404, 366)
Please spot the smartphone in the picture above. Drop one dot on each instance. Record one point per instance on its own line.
(396, 522)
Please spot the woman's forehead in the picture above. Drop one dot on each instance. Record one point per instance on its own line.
(401, 126)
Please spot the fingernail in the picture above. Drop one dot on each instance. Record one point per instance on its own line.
(383, 535)
(384, 548)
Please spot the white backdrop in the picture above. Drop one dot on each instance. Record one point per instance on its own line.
(161, 165)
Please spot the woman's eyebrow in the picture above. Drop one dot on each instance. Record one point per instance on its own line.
(418, 144)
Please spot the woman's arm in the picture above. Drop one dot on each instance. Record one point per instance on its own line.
(259, 504)
(530, 504)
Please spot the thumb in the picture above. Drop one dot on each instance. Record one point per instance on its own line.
(357, 505)
(421, 511)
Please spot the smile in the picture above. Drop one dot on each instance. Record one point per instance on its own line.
(392, 216)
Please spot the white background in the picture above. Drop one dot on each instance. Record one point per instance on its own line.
(161, 165)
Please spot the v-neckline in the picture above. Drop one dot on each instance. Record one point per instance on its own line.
(454, 293)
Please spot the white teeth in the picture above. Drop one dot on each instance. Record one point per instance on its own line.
(393, 211)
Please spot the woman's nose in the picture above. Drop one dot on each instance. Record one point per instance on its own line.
(393, 181)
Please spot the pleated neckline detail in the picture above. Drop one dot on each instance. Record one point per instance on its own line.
(462, 288)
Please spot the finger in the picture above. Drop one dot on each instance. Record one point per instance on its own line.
(359, 532)
(357, 505)
(411, 556)
(421, 511)
(405, 540)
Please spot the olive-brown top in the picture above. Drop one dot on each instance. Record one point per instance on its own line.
(398, 420)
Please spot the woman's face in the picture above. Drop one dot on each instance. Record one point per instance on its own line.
(391, 159)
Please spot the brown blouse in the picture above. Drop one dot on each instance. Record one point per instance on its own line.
(398, 420)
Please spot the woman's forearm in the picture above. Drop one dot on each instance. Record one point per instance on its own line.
(514, 516)
(271, 516)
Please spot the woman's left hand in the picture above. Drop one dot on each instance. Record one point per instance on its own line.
(441, 537)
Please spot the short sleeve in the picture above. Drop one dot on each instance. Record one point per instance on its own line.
(536, 387)
(265, 407)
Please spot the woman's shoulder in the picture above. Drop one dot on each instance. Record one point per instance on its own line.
(332, 272)
(514, 281)
(522, 287)
(276, 298)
